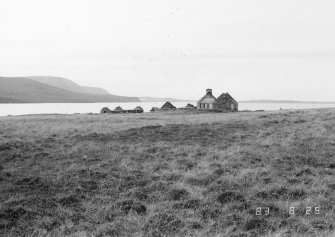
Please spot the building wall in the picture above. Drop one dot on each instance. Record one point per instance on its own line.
(225, 105)
(206, 102)
(204, 106)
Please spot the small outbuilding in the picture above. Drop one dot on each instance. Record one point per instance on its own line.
(118, 109)
(188, 107)
(153, 109)
(105, 110)
(138, 109)
(168, 106)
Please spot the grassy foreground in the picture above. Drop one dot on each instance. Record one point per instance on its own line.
(168, 174)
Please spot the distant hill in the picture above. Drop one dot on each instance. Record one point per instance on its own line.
(69, 85)
(26, 90)
(8, 100)
(286, 102)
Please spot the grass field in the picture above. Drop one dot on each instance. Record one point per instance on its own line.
(169, 174)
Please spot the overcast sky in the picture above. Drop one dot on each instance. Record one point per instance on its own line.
(253, 49)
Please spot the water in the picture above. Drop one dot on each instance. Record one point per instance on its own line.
(71, 108)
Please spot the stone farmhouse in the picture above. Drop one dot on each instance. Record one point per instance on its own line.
(224, 102)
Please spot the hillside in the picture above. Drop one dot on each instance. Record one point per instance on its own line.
(48, 89)
(170, 174)
(24, 90)
(69, 85)
(8, 100)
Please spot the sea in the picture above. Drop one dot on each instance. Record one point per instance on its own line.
(84, 108)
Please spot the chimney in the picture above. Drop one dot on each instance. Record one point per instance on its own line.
(208, 91)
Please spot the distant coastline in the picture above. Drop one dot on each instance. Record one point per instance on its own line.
(48, 89)
(285, 102)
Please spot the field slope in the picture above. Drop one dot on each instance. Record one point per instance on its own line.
(68, 85)
(168, 174)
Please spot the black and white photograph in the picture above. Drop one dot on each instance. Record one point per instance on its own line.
(167, 118)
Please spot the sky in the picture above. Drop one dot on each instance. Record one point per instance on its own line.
(259, 49)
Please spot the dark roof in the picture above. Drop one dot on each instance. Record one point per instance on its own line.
(118, 108)
(105, 110)
(168, 105)
(207, 96)
(138, 108)
(225, 96)
(154, 108)
(189, 106)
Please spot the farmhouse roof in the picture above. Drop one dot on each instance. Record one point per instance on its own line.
(208, 98)
(168, 105)
(225, 97)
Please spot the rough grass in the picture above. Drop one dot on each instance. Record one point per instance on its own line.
(168, 174)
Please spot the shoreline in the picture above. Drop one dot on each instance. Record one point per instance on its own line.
(178, 111)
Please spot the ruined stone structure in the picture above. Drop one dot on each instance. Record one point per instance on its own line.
(188, 107)
(119, 110)
(138, 109)
(105, 110)
(206, 102)
(224, 102)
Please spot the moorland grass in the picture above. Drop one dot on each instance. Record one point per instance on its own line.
(168, 174)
